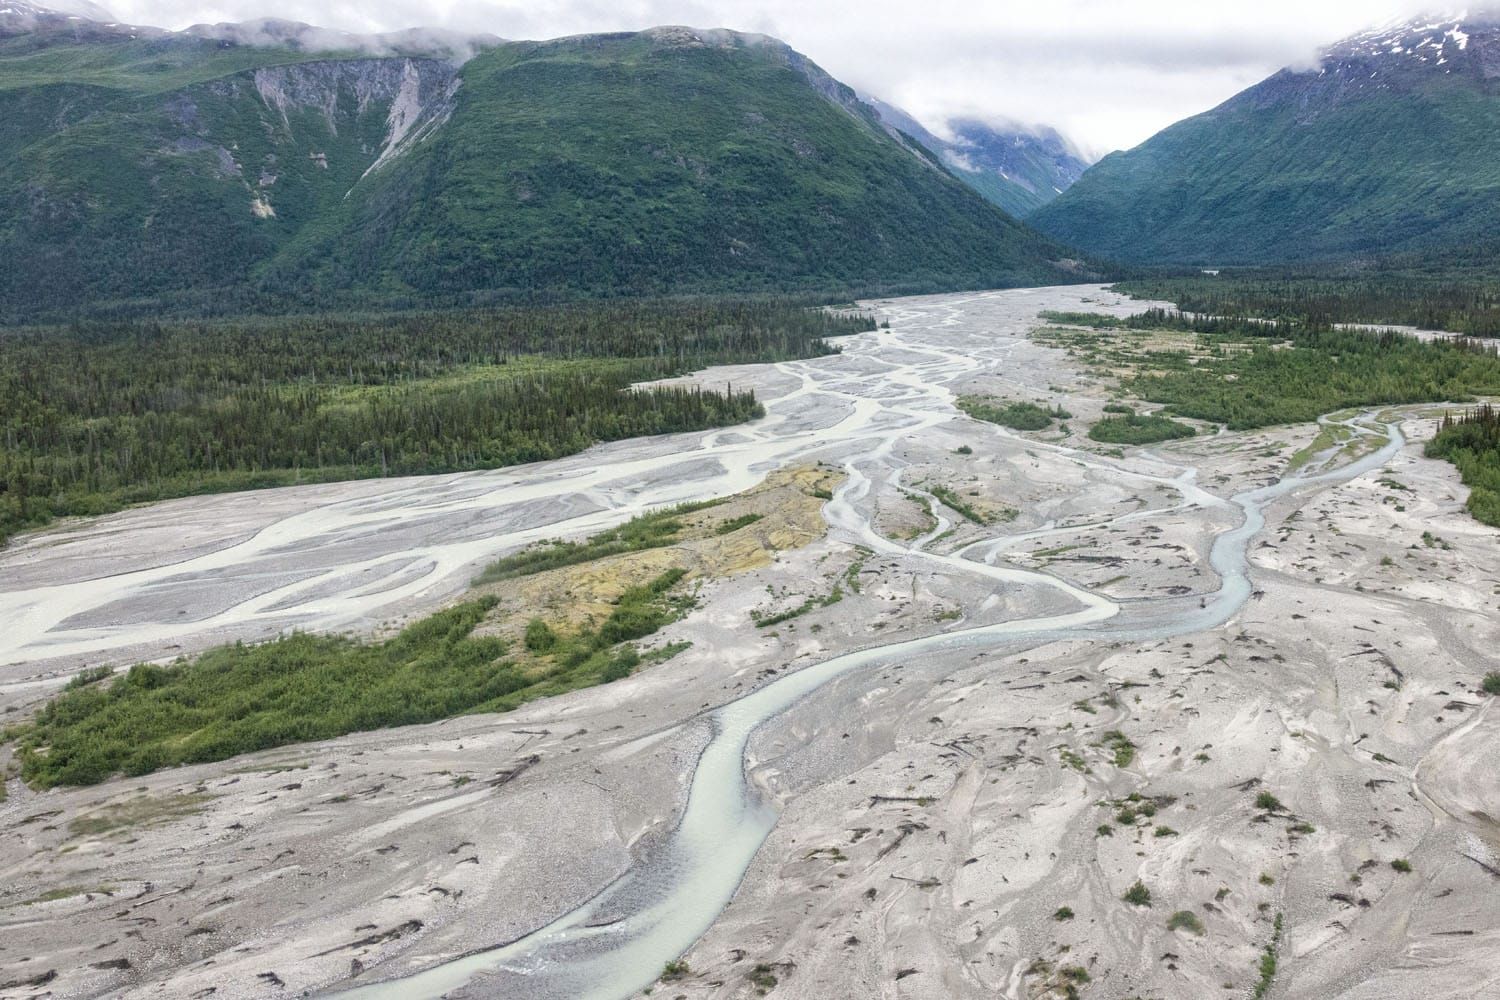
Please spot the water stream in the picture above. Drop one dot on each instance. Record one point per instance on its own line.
(617, 943)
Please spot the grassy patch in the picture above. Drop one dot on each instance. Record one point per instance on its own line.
(736, 523)
(765, 619)
(69, 892)
(137, 813)
(950, 499)
(1121, 747)
(1268, 963)
(1268, 802)
(646, 531)
(1245, 374)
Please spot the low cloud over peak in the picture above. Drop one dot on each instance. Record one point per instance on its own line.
(1107, 73)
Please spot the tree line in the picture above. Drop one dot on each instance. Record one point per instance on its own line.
(1471, 441)
(95, 416)
(1458, 301)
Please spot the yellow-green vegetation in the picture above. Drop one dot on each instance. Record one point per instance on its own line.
(70, 892)
(1096, 321)
(137, 813)
(574, 586)
(1072, 759)
(645, 531)
(765, 619)
(950, 499)
(1330, 436)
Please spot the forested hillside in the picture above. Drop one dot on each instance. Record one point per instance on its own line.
(1391, 144)
(172, 173)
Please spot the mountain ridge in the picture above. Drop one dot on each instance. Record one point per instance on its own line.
(146, 170)
(1390, 144)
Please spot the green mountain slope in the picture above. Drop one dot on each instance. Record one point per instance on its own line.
(171, 171)
(1391, 145)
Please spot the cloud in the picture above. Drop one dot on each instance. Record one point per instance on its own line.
(1107, 73)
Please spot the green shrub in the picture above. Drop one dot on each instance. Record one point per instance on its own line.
(736, 523)
(1138, 894)
(1136, 429)
(1186, 920)
(1016, 416)
(1268, 802)
(240, 699)
(539, 637)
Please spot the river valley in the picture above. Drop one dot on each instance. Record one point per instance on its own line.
(939, 786)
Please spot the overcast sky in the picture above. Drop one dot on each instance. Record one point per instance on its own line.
(1107, 73)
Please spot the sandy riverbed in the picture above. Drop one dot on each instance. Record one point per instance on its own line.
(934, 815)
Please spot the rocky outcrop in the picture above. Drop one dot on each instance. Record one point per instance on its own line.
(419, 93)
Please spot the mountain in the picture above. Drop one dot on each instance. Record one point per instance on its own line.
(1390, 144)
(274, 166)
(1016, 167)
